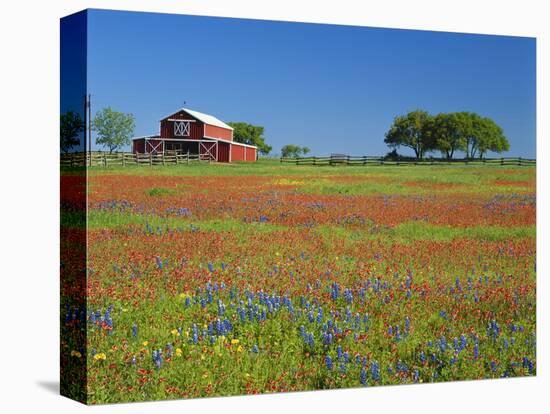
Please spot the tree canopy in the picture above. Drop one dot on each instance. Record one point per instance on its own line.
(447, 132)
(71, 124)
(413, 131)
(250, 134)
(294, 151)
(114, 129)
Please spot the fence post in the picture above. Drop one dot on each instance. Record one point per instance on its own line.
(519, 161)
(150, 158)
(163, 163)
(187, 157)
(105, 159)
(502, 161)
(123, 160)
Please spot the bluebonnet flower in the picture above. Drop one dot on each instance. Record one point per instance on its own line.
(476, 351)
(526, 363)
(160, 265)
(328, 362)
(422, 357)
(397, 334)
(375, 371)
(255, 349)
(463, 342)
(210, 267)
(169, 350)
(134, 330)
(310, 340)
(493, 366)
(348, 296)
(493, 330)
(363, 376)
(157, 358)
(335, 291)
(343, 368)
(442, 343)
(416, 375)
(401, 367)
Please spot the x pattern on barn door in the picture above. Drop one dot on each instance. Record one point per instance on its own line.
(154, 147)
(210, 150)
(181, 128)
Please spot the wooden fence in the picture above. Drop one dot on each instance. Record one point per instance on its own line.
(81, 159)
(373, 160)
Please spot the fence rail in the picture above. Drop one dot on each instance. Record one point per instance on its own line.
(81, 159)
(374, 160)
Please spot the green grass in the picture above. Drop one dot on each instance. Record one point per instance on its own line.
(269, 167)
(403, 233)
(411, 231)
(160, 191)
(99, 219)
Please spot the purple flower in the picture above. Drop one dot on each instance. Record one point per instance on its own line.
(328, 362)
(363, 376)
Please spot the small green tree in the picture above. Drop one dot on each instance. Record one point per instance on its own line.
(490, 137)
(413, 131)
(250, 134)
(446, 132)
(70, 125)
(306, 150)
(291, 151)
(114, 129)
(480, 135)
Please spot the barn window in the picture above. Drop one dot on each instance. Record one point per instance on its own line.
(181, 128)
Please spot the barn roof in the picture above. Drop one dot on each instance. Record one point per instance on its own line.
(207, 119)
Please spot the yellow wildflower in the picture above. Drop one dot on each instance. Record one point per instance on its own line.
(240, 348)
(145, 343)
(76, 354)
(99, 356)
(178, 352)
(175, 332)
(234, 341)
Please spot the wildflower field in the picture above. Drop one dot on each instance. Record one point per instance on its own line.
(209, 280)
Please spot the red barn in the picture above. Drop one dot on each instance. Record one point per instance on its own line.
(197, 133)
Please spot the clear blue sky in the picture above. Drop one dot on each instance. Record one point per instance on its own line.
(333, 88)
